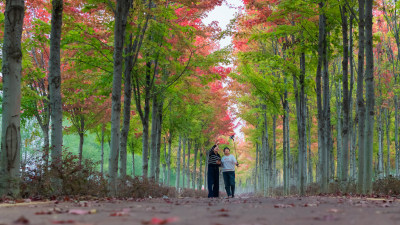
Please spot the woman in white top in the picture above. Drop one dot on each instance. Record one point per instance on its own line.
(228, 172)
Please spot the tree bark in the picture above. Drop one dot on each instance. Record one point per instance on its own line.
(196, 149)
(154, 133)
(102, 149)
(380, 145)
(133, 161)
(322, 129)
(165, 163)
(188, 164)
(81, 132)
(178, 163)
(360, 98)
(370, 97)
(200, 171)
(121, 14)
(169, 158)
(346, 98)
(387, 115)
(127, 108)
(159, 129)
(55, 87)
(12, 73)
(184, 162)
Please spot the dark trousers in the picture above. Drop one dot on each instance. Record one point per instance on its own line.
(213, 181)
(229, 180)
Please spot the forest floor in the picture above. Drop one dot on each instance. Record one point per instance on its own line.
(242, 210)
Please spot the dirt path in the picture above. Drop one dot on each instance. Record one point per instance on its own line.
(244, 211)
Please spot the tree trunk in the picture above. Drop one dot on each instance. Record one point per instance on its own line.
(154, 133)
(274, 176)
(346, 99)
(360, 99)
(205, 171)
(387, 115)
(55, 86)
(396, 135)
(256, 168)
(11, 71)
(81, 137)
(322, 129)
(188, 164)
(127, 108)
(121, 14)
(169, 158)
(200, 171)
(339, 140)
(310, 164)
(133, 162)
(301, 125)
(165, 174)
(159, 129)
(184, 162)
(196, 149)
(380, 145)
(102, 150)
(352, 129)
(178, 163)
(145, 120)
(370, 97)
(286, 153)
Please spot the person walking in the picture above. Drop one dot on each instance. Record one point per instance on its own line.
(214, 162)
(228, 172)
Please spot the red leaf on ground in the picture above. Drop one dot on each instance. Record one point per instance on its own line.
(62, 221)
(223, 210)
(21, 220)
(156, 220)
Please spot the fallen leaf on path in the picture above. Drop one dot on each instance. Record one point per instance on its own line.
(62, 221)
(223, 210)
(310, 205)
(124, 212)
(156, 220)
(43, 213)
(81, 212)
(283, 205)
(20, 221)
(333, 210)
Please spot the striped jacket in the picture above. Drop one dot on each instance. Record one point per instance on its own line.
(213, 158)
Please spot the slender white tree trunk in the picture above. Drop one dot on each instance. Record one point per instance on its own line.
(11, 70)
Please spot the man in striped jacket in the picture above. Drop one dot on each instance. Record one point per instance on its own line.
(214, 162)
